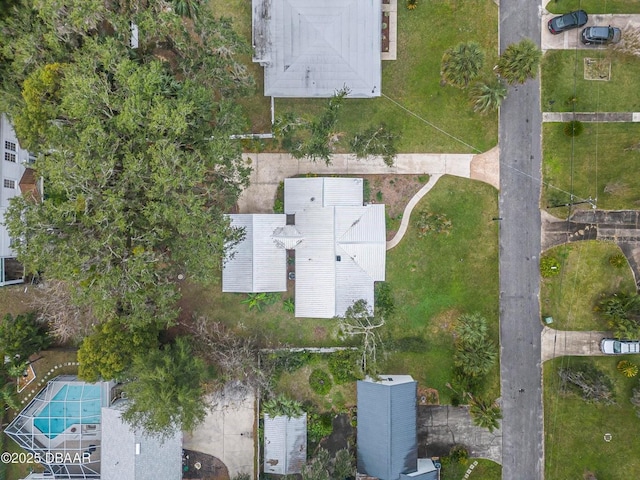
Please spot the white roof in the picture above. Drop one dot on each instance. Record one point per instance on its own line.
(259, 262)
(344, 248)
(340, 247)
(285, 444)
(312, 48)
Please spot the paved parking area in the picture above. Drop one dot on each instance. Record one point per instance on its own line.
(227, 433)
(571, 38)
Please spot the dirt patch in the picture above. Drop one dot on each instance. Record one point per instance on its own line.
(394, 191)
(428, 396)
(320, 333)
(597, 69)
(385, 31)
(202, 466)
(443, 323)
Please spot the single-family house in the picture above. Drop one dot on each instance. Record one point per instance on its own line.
(16, 179)
(337, 244)
(312, 48)
(75, 430)
(387, 431)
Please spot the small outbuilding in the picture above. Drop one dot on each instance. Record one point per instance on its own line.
(285, 444)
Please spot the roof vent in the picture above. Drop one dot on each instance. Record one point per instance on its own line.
(338, 258)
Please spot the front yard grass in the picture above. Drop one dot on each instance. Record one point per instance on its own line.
(605, 165)
(585, 277)
(574, 429)
(413, 80)
(484, 470)
(564, 85)
(594, 6)
(437, 277)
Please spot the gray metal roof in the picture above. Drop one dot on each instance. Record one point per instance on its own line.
(387, 442)
(285, 444)
(129, 454)
(311, 48)
(259, 262)
(340, 247)
(344, 248)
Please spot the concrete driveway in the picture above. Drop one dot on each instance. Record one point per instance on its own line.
(440, 427)
(571, 38)
(227, 433)
(558, 343)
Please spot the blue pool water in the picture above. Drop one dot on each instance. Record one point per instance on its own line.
(71, 405)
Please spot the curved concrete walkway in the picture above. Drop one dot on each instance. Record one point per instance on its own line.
(406, 215)
(558, 343)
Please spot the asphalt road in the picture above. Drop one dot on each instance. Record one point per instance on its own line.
(520, 326)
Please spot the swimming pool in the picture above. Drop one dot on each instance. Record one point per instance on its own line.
(71, 405)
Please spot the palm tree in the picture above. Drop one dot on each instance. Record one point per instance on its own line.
(462, 64)
(284, 406)
(487, 96)
(519, 61)
(485, 413)
(186, 8)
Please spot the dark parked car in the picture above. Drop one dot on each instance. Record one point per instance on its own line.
(568, 21)
(600, 35)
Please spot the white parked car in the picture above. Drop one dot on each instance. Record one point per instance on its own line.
(612, 346)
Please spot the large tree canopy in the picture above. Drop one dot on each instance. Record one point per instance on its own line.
(133, 147)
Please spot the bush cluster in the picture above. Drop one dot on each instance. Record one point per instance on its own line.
(344, 366)
(320, 382)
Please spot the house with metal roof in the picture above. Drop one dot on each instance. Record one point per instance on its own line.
(338, 243)
(387, 432)
(312, 48)
(285, 444)
(130, 454)
(75, 430)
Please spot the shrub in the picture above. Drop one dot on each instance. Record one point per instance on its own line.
(627, 368)
(573, 128)
(289, 305)
(458, 454)
(282, 405)
(549, 266)
(278, 203)
(384, 303)
(320, 382)
(319, 426)
(618, 260)
(433, 223)
(286, 361)
(412, 4)
(343, 366)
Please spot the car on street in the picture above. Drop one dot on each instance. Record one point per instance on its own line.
(611, 346)
(600, 35)
(568, 21)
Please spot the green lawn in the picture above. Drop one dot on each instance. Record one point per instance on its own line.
(574, 429)
(563, 79)
(585, 275)
(437, 277)
(484, 470)
(296, 385)
(413, 79)
(605, 165)
(594, 6)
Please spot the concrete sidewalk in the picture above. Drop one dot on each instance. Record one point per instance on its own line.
(269, 169)
(558, 343)
(588, 117)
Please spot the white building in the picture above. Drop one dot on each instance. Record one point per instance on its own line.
(17, 179)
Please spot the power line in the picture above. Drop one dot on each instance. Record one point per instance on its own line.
(431, 124)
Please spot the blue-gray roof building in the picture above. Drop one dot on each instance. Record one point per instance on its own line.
(387, 438)
(387, 441)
